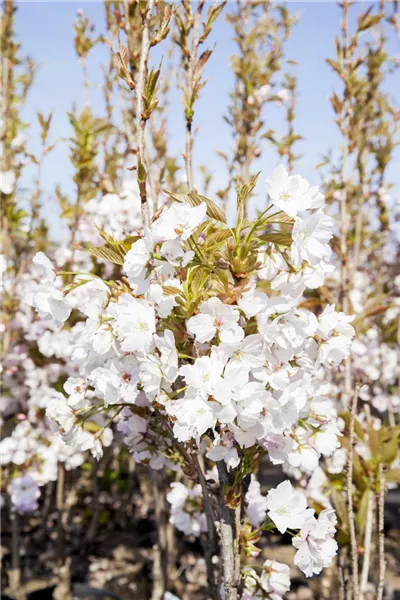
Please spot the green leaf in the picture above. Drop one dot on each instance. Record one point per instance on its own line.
(282, 239)
(335, 65)
(339, 504)
(169, 290)
(246, 189)
(357, 427)
(106, 254)
(214, 12)
(217, 237)
(213, 211)
(389, 445)
(280, 217)
(366, 21)
(362, 512)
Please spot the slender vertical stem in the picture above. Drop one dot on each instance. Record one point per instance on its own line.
(367, 544)
(381, 533)
(7, 74)
(91, 530)
(342, 586)
(349, 491)
(140, 118)
(60, 515)
(190, 86)
(85, 82)
(63, 587)
(160, 550)
(344, 216)
(15, 583)
(14, 540)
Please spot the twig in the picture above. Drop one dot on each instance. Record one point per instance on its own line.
(140, 119)
(344, 217)
(367, 544)
(381, 533)
(14, 573)
(60, 515)
(91, 530)
(190, 86)
(350, 506)
(341, 595)
(62, 590)
(160, 549)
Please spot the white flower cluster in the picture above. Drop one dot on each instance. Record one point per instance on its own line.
(113, 213)
(219, 368)
(315, 543)
(37, 361)
(187, 509)
(249, 378)
(271, 583)
(46, 297)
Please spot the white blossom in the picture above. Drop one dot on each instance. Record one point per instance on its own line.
(315, 544)
(214, 316)
(286, 507)
(24, 493)
(292, 193)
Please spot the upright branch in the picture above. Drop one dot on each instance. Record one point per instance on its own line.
(84, 42)
(345, 122)
(85, 142)
(14, 574)
(38, 161)
(367, 544)
(141, 115)
(381, 532)
(16, 76)
(63, 588)
(144, 82)
(285, 144)
(350, 505)
(190, 87)
(344, 217)
(8, 50)
(366, 121)
(261, 29)
(162, 164)
(189, 38)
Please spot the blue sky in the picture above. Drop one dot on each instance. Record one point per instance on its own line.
(45, 30)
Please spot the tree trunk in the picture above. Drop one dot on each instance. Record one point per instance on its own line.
(229, 524)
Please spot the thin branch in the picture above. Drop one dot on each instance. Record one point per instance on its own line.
(367, 544)
(14, 574)
(140, 118)
(160, 549)
(381, 533)
(190, 85)
(349, 491)
(344, 216)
